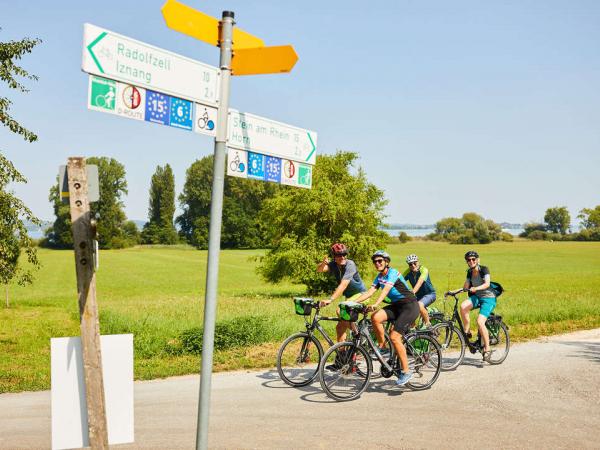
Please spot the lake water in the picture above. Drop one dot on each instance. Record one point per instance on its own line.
(425, 231)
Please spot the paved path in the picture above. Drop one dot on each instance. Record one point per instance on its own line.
(545, 395)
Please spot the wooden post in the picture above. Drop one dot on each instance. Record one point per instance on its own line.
(88, 307)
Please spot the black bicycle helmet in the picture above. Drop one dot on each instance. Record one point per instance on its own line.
(471, 254)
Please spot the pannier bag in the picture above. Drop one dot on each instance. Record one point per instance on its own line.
(349, 311)
(303, 305)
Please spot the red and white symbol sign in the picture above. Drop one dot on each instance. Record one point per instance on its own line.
(132, 97)
(289, 172)
(130, 101)
(289, 169)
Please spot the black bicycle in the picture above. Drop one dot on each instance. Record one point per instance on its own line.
(299, 355)
(347, 367)
(451, 337)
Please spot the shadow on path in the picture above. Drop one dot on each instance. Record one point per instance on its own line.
(587, 350)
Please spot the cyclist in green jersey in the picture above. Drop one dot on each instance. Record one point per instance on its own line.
(418, 276)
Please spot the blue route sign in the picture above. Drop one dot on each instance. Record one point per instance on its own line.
(256, 166)
(273, 169)
(158, 107)
(181, 113)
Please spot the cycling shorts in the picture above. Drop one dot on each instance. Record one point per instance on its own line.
(402, 315)
(427, 299)
(485, 305)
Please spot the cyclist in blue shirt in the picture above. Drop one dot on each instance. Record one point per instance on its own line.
(350, 285)
(418, 276)
(402, 308)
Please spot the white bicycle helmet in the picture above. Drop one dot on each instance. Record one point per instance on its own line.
(412, 258)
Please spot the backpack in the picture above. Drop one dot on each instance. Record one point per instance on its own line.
(495, 287)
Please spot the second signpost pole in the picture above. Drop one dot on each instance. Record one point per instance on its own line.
(214, 237)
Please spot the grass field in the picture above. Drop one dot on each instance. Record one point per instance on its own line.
(157, 294)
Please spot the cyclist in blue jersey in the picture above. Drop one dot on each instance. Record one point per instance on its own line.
(480, 296)
(350, 285)
(402, 308)
(418, 276)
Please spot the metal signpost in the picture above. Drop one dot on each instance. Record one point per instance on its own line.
(132, 79)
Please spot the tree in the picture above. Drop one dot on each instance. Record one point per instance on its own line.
(303, 223)
(471, 228)
(13, 212)
(59, 235)
(159, 229)
(590, 218)
(242, 200)
(558, 220)
(108, 210)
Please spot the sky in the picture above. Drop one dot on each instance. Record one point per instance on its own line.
(491, 107)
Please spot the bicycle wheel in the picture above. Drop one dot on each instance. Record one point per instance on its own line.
(424, 360)
(376, 365)
(452, 344)
(345, 370)
(499, 342)
(298, 359)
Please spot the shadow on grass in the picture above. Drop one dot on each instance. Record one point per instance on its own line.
(586, 350)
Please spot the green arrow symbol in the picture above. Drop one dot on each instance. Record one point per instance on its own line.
(313, 146)
(89, 47)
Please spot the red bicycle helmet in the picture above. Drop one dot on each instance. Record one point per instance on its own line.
(338, 249)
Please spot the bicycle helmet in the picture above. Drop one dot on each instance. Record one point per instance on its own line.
(382, 254)
(471, 254)
(412, 258)
(339, 249)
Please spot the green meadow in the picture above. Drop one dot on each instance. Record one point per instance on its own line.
(157, 293)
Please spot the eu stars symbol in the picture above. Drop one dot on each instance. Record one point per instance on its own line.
(181, 113)
(157, 107)
(256, 165)
(273, 169)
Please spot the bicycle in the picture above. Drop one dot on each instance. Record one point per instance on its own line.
(295, 357)
(452, 338)
(352, 365)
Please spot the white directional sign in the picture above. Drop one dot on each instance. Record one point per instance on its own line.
(266, 136)
(118, 57)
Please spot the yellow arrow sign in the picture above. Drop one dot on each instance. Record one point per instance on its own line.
(187, 20)
(254, 61)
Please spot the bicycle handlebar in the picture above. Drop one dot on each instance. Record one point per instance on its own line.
(455, 292)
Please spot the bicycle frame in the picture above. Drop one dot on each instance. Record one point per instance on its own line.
(456, 319)
(315, 325)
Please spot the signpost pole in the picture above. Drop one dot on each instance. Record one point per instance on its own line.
(214, 240)
(83, 238)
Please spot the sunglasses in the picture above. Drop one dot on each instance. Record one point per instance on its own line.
(413, 263)
(471, 259)
(378, 261)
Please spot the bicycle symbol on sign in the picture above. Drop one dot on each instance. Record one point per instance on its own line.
(106, 100)
(205, 122)
(236, 165)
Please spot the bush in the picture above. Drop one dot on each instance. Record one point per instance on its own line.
(538, 235)
(403, 237)
(470, 229)
(238, 332)
(506, 237)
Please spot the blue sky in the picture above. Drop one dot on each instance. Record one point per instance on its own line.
(490, 107)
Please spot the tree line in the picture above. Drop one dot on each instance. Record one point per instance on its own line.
(557, 225)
